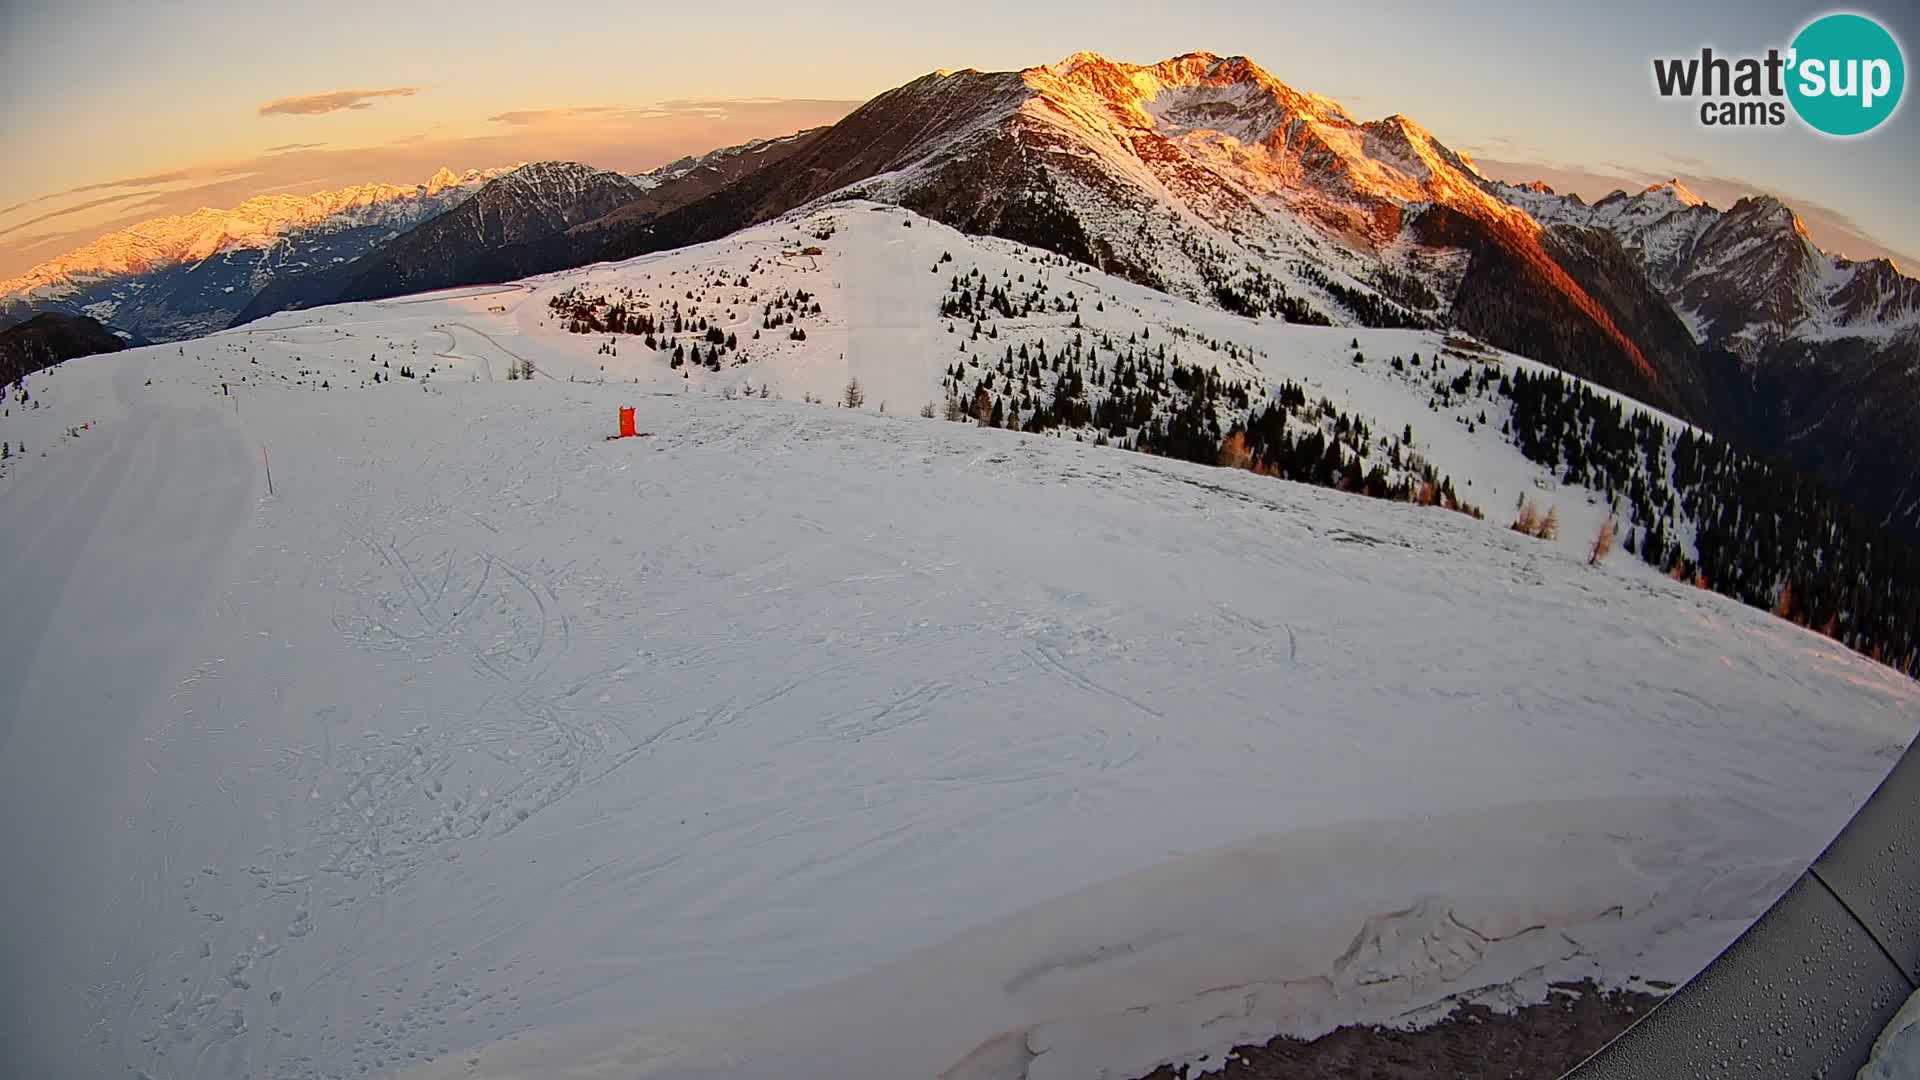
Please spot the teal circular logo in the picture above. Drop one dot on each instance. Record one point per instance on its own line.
(1847, 74)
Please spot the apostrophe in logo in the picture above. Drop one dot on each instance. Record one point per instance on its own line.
(1843, 75)
(1847, 74)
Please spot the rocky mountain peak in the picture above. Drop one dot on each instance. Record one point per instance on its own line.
(1771, 212)
(1675, 190)
(441, 180)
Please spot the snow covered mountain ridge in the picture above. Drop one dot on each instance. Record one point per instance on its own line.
(1208, 178)
(1234, 117)
(676, 169)
(1746, 277)
(560, 178)
(1212, 134)
(1810, 356)
(1205, 177)
(257, 222)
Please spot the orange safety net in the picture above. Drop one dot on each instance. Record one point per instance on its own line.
(626, 422)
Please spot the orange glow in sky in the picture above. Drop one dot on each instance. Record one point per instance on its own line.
(118, 112)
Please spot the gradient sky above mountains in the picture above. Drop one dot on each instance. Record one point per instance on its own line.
(119, 112)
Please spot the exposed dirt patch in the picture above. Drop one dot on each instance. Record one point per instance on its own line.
(1539, 1042)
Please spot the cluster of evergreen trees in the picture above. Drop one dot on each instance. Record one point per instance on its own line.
(969, 296)
(1692, 506)
(784, 308)
(1239, 286)
(1762, 532)
(1245, 288)
(1371, 309)
(1405, 290)
(1259, 294)
(1142, 395)
(1153, 402)
(1320, 444)
(589, 313)
(706, 342)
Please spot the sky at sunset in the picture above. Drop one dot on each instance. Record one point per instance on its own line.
(119, 112)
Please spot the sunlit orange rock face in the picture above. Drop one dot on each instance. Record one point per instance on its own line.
(1227, 138)
(1200, 120)
(1206, 176)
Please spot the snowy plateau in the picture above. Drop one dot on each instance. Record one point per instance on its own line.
(793, 740)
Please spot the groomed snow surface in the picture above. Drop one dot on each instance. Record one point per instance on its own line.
(792, 741)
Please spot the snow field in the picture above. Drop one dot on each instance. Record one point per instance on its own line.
(789, 735)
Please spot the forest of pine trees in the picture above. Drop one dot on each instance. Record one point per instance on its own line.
(1763, 533)
(1689, 505)
(1370, 309)
(1140, 394)
(1692, 506)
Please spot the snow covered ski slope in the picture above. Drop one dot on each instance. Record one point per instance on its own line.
(797, 740)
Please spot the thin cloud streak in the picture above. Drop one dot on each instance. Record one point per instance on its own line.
(677, 107)
(331, 101)
(526, 117)
(76, 209)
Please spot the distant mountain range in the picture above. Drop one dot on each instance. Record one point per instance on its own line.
(183, 275)
(1202, 176)
(545, 216)
(467, 243)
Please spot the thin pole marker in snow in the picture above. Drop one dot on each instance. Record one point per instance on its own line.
(269, 464)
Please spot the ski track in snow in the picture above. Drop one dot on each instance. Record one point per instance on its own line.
(482, 725)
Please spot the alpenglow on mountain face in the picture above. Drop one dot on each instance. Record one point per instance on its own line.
(1205, 176)
(188, 274)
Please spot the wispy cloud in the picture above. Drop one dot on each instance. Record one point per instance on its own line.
(1497, 144)
(530, 117)
(1687, 161)
(287, 148)
(77, 208)
(683, 107)
(150, 180)
(171, 176)
(331, 101)
(718, 109)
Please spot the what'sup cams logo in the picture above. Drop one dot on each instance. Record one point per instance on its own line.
(1843, 75)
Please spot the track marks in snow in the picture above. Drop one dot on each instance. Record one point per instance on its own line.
(1051, 661)
(782, 692)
